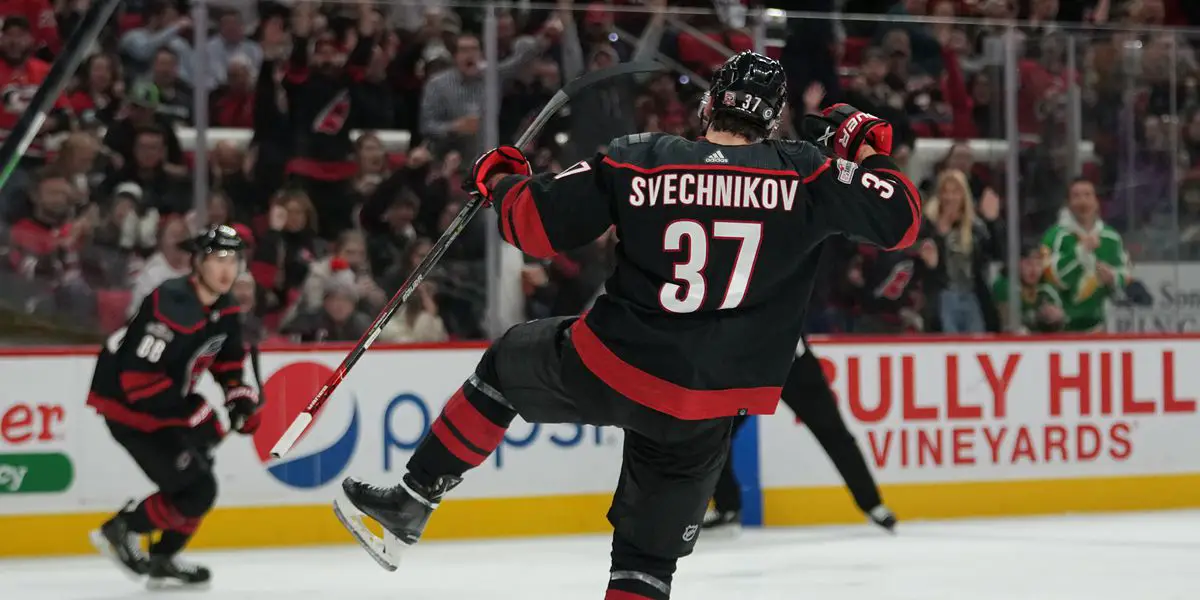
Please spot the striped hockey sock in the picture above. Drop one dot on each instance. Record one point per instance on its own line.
(469, 429)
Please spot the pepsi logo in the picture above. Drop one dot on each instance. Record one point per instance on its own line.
(287, 391)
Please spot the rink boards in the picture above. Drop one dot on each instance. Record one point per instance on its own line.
(952, 427)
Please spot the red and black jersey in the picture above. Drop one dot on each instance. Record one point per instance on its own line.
(716, 262)
(322, 112)
(891, 281)
(147, 369)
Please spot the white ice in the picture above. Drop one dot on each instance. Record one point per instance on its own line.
(1152, 556)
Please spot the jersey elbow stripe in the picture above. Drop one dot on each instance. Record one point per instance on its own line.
(222, 367)
(817, 173)
(525, 222)
(914, 207)
(148, 391)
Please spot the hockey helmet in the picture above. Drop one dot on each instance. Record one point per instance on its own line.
(218, 239)
(750, 85)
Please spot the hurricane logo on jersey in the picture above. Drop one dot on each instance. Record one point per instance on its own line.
(287, 392)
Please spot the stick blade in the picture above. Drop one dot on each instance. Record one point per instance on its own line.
(385, 550)
(292, 435)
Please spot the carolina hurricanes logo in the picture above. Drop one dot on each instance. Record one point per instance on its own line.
(16, 97)
(204, 358)
(332, 119)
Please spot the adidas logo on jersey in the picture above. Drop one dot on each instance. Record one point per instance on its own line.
(716, 157)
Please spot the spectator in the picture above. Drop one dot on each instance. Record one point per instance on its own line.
(143, 114)
(967, 243)
(164, 28)
(163, 190)
(418, 321)
(603, 113)
(175, 96)
(336, 321)
(39, 14)
(1086, 262)
(285, 251)
(231, 42)
(127, 228)
(98, 94)
(453, 99)
(232, 103)
(170, 261)
(42, 245)
(349, 257)
(1038, 313)
(386, 244)
(245, 292)
(76, 160)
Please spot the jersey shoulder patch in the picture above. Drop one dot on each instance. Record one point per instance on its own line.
(806, 156)
(174, 303)
(634, 139)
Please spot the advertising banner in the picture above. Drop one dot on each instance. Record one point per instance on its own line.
(988, 411)
(54, 445)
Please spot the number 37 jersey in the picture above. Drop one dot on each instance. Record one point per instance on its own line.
(146, 370)
(716, 258)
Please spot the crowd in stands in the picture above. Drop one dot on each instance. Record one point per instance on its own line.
(93, 214)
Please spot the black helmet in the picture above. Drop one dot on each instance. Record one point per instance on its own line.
(750, 85)
(221, 238)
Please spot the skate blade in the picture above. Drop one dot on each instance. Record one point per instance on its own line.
(172, 585)
(385, 550)
(101, 544)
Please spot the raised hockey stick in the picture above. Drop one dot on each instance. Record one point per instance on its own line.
(472, 206)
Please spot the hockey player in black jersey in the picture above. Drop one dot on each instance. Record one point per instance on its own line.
(698, 323)
(807, 393)
(143, 387)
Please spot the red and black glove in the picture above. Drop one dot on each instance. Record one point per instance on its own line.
(843, 129)
(241, 403)
(206, 430)
(505, 160)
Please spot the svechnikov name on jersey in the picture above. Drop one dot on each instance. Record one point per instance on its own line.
(714, 189)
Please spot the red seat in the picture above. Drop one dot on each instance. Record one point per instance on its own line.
(110, 308)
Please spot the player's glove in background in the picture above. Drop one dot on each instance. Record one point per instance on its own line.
(843, 129)
(207, 433)
(242, 405)
(504, 160)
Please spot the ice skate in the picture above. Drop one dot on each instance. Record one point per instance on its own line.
(114, 540)
(721, 524)
(883, 517)
(170, 572)
(402, 511)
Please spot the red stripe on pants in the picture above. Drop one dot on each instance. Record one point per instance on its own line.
(454, 445)
(472, 424)
(623, 595)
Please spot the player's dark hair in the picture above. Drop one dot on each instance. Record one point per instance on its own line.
(1078, 180)
(733, 123)
(149, 130)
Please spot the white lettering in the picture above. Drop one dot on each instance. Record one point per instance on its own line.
(685, 193)
(702, 189)
(704, 192)
(770, 194)
(670, 188)
(637, 196)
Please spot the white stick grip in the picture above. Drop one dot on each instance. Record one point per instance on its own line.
(293, 433)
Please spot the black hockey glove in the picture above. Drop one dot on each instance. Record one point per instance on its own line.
(505, 160)
(843, 129)
(242, 405)
(207, 431)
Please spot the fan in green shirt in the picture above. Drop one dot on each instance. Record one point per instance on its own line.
(1039, 311)
(1085, 260)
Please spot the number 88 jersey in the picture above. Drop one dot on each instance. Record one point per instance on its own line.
(146, 370)
(716, 261)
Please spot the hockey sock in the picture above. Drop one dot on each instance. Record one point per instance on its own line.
(137, 519)
(176, 528)
(469, 429)
(636, 575)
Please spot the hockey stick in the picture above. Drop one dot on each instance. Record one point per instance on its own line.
(27, 127)
(472, 206)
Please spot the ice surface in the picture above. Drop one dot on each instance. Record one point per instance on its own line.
(1109, 557)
